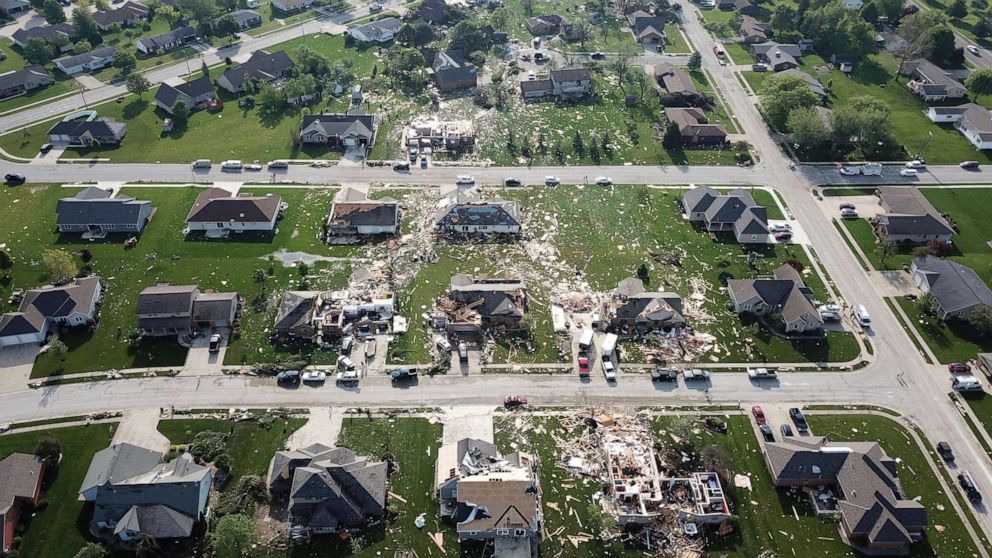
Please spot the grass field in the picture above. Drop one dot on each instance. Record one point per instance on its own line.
(951, 341)
(738, 54)
(61, 528)
(720, 114)
(61, 86)
(163, 254)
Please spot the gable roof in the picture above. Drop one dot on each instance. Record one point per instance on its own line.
(294, 308)
(379, 29)
(908, 211)
(91, 56)
(166, 299)
(674, 80)
(215, 205)
(57, 302)
(811, 81)
(169, 95)
(21, 323)
(47, 32)
(503, 504)
(169, 37)
(785, 289)
(339, 125)
(118, 463)
(13, 79)
(262, 65)
(692, 122)
(956, 287)
(20, 474)
(364, 213)
(214, 307)
(571, 74)
(88, 207)
(126, 12)
(333, 484)
(156, 521)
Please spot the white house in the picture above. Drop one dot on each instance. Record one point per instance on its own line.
(972, 120)
(218, 213)
(380, 31)
(86, 62)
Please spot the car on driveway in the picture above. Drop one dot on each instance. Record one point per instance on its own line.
(45, 147)
(784, 236)
(958, 368)
(846, 205)
(609, 371)
(443, 345)
(215, 343)
(401, 374)
(909, 172)
(850, 171)
(797, 417)
(848, 213)
(759, 414)
(968, 165)
(786, 430)
(829, 312)
(944, 449)
(288, 377)
(347, 377)
(780, 227)
(14, 178)
(314, 377)
(766, 431)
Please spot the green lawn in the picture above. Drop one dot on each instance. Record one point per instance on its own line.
(14, 60)
(164, 254)
(249, 445)
(61, 528)
(676, 42)
(951, 341)
(249, 135)
(738, 53)
(62, 85)
(915, 475)
(720, 113)
(980, 404)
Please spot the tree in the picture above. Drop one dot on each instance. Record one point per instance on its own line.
(92, 550)
(620, 64)
(270, 99)
(782, 95)
(259, 277)
(124, 62)
(891, 9)
(915, 31)
(673, 136)
(785, 18)
(528, 7)
(979, 82)
(416, 34)
(885, 249)
(234, 536)
(6, 262)
(500, 17)
(168, 14)
(982, 27)
(581, 32)
(864, 121)
(48, 448)
(180, 114)
(227, 26)
(870, 13)
(406, 65)
(468, 36)
(945, 51)
(38, 51)
(138, 84)
(577, 144)
(298, 88)
(199, 10)
(807, 127)
(85, 25)
(695, 61)
(958, 10)
(59, 264)
(838, 30)
(82, 46)
(311, 62)
(981, 319)
(53, 12)
(926, 303)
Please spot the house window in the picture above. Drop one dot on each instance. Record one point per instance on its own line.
(754, 237)
(519, 532)
(503, 532)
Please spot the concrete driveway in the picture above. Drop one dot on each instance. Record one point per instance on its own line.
(140, 427)
(199, 359)
(323, 427)
(468, 421)
(16, 363)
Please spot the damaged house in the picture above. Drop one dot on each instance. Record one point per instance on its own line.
(490, 496)
(463, 211)
(474, 303)
(734, 212)
(633, 308)
(354, 214)
(329, 489)
(436, 134)
(318, 316)
(783, 293)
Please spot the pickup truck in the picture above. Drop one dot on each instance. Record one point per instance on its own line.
(695, 374)
(400, 374)
(760, 373)
(664, 375)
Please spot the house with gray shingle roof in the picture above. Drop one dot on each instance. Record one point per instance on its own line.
(217, 213)
(265, 66)
(856, 481)
(74, 304)
(503, 302)
(734, 212)
(87, 61)
(24, 81)
(777, 56)
(95, 213)
(329, 489)
(196, 94)
(168, 41)
(957, 288)
(784, 292)
(567, 83)
(340, 131)
(47, 32)
(246, 19)
(10, 7)
(128, 14)
(910, 217)
(87, 131)
(542, 25)
(633, 308)
(811, 81)
(135, 495)
(462, 210)
(21, 475)
(753, 31)
(378, 31)
(676, 82)
(931, 82)
(694, 127)
(165, 309)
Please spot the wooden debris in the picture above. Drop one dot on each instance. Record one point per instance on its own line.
(396, 497)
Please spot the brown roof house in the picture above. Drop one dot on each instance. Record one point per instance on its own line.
(73, 305)
(734, 212)
(218, 213)
(855, 481)
(329, 489)
(783, 293)
(474, 303)
(753, 32)
(545, 24)
(633, 308)
(647, 28)
(353, 214)
(910, 217)
(490, 496)
(676, 82)
(744, 7)
(695, 127)
(21, 476)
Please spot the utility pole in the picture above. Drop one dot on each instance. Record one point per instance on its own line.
(82, 90)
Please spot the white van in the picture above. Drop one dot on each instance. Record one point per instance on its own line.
(861, 316)
(609, 346)
(465, 179)
(586, 340)
(966, 383)
(232, 165)
(202, 164)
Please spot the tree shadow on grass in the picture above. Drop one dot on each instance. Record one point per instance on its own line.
(134, 109)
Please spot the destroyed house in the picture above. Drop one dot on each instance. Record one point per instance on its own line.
(734, 212)
(463, 211)
(488, 495)
(783, 293)
(319, 315)
(633, 308)
(856, 481)
(451, 135)
(352, 213)
(329, 489)
(475, 303)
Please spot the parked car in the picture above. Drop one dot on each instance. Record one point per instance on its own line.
(465, 179)
(766, 431)
(849, 213)
(462, 352)
(273, 165)
(969, 486)
(514, 401)
(797, 417)
(345, 363)
(401, 166)
(759, 414)
(347, 377)
(916, 164)
(215, 343)
(14, 178)
(314, 377)
(413, 154)
(696, 375)
(320, 164)
(784, 236)
(760, 373)
(944, 449)
(850, 171)
(551, 180)
(202, 164)
(861, 316)
(958, 368)
(583, 366)
(423, 161)
(969, 165)
(346, 343)
(375, 8)
(780, 227)
(253, 167)
(370, 347)
(908, 172)
(288, 377)
(443, 345)
(846, 205)
(609, 371)
(759, 67)
(45, 147)
(829, 312)
(974, 50)
(786, 430)
(603, 181)
(401, 374)
(664, 375)
(512, 181)
(597, 55)
(231, 166)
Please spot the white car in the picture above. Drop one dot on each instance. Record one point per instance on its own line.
(231, 166)
(253, 167)
(916, 164)
(443, 345)
(347, 376)
(760, 373)
(848, 213)
(603, 181)
(973, 49)
(314, 376)
(829, 312)
(551, 180)
(465, 179)
(780, 227)
(345, 363)
(909, 172)
(609, 370)
(850, 171)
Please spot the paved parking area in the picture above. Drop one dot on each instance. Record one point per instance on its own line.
(199, 359)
